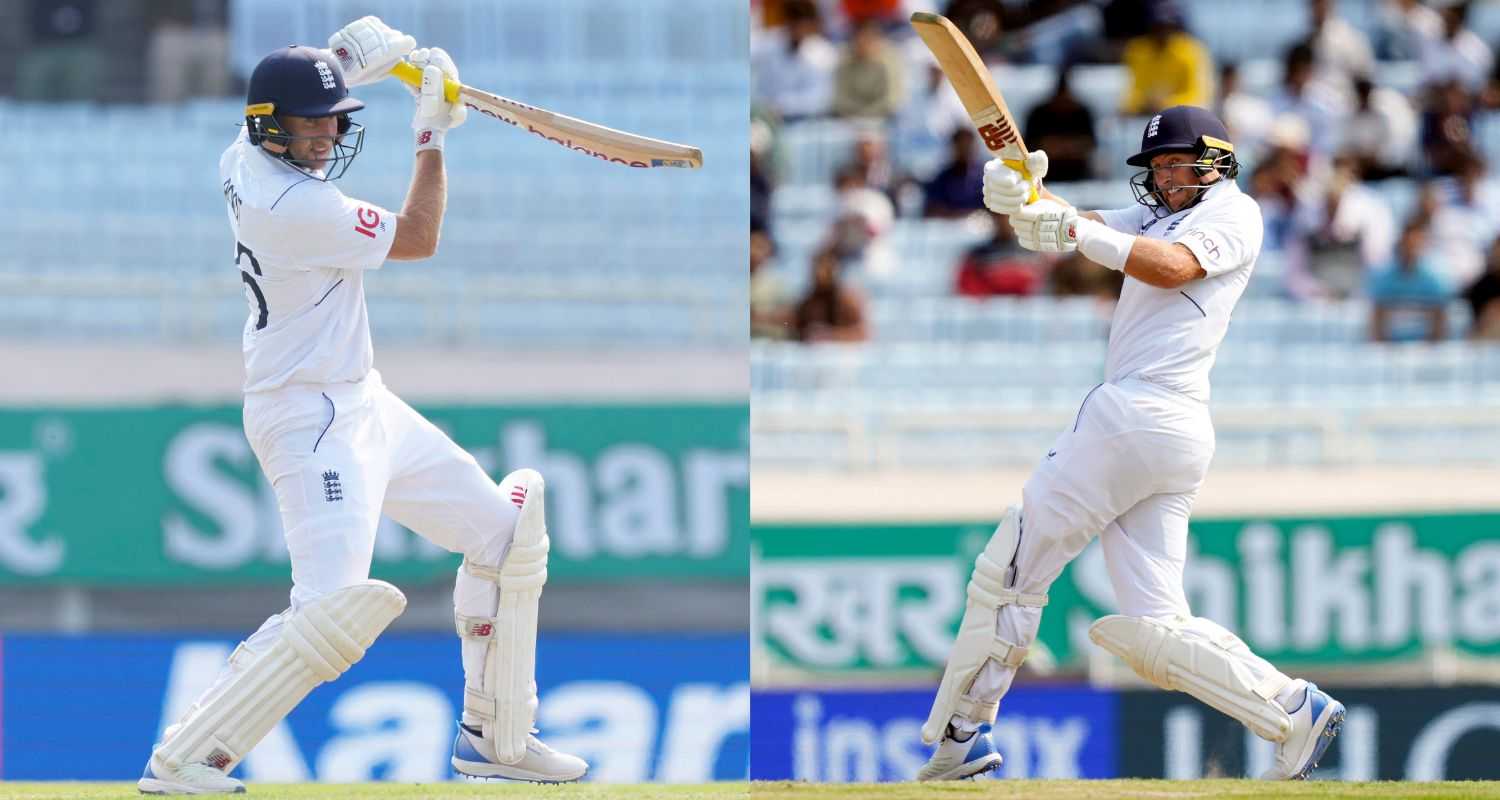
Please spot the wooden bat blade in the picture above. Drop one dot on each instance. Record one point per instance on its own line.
(598, 141)
(971, 79)
(588, 138)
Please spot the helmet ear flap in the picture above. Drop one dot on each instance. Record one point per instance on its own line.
(344, 124)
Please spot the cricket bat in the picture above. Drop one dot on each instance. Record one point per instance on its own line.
(603, 143)
(976, 90)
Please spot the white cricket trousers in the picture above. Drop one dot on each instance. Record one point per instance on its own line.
(340, 455)
(1126, 470)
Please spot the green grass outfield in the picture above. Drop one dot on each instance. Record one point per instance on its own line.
(1109, 790)
(397, 791)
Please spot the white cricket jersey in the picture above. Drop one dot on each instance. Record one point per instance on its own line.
(302, 248)
(1170, 336)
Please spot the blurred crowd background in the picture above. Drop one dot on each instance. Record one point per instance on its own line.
(582, 318)
(1366, 130)
(911, 364)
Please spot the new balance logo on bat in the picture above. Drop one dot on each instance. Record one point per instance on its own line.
(569, 143)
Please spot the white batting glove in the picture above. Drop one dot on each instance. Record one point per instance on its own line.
(1046, 227)
(367, 48)
(435, 114)
(1006, 190)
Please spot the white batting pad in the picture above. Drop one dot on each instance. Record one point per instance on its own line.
(506, 703)
(1199, 657)
(978, 642)
(318, 643)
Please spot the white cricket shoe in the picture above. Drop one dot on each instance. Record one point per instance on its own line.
(187, 779)
(1314, 724)
(956, 760)
(473, 756)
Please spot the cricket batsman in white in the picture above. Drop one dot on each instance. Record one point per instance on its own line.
(1130, 465)
(339, 448)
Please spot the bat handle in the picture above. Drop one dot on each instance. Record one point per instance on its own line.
(1020, 166)
(411, 75)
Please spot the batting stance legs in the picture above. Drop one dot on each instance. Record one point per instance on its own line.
(1128, 470)
(337, 456)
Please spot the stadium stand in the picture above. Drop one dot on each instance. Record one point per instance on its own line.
(537, 245)
(953, 380)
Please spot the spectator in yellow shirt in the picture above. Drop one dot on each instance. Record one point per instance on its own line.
(1168, 66)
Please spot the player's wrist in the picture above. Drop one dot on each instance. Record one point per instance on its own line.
(1102, 244)
(430, 139)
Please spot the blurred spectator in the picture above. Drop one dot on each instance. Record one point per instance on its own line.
(999, 266)
(831, 311)
(1122, 20)
(1341, 52)
(1409, 299)
(62, 61)
(869, 81)
(1064, 127)
(188, 55)
(982, 21)
(1382, 131)
(1489, 98)
(872, 161)
(1167, 66)
(769, 316)
(1002, 29)
(1312, 104)
(1349, 231)
(1077, 276)
(957, 189)
(792, 66)
(1276, 184)
(1484, 298)
(879, 11)
(864, 216)
(931, 116)
(1465, 218)
(1457, 53)
(1447, 127)
(1245, 114)
(760, 194)
(1404, 25)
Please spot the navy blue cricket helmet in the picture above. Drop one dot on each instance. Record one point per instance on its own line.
(304, 82)
(1182, 129)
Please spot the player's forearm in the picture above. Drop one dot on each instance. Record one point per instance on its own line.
(1165, 265)
(422, 214)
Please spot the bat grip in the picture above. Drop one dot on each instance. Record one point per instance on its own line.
(1020, 166)
(411, 75)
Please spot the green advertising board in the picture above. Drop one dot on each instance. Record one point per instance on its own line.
(174, 495)
(850, 599)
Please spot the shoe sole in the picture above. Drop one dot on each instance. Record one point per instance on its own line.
(156, 786)
(969, 769)
(1321, 742)
(481, 771)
